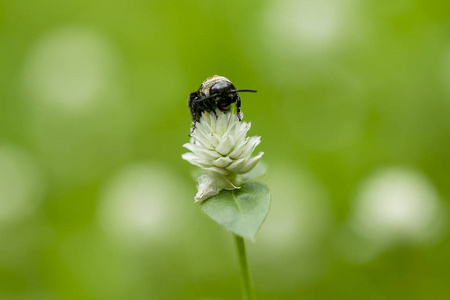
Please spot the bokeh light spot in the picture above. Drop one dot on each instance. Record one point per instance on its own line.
(70, 69)
(397, 203)
(141, 204)
(306, 24)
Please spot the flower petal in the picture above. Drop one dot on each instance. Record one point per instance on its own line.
(222, 162)
(231, 129)
(214, 171)
(190, 157)
(221, 124)
(236, 165)
(201, 137)
(204, 143)
(242, 131)
(250, 146)
(194, 160)
(236, 153)
(202, 152)
(206, 125)
(201, 130)
(212, 120)
(259, 170)
(251, 163)
(225, 145)
(214, 139)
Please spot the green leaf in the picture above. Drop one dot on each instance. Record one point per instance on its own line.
(241, 211)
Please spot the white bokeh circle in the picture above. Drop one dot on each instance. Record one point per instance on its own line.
(397, 206)
(306, 25)
(70, 69)
(142, 203)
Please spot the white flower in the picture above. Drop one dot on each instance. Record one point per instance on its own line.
(220, 147)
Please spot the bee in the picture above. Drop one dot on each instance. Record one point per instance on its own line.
(216, 92)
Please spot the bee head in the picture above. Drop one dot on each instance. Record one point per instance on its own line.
(222, 88)
(222, 91)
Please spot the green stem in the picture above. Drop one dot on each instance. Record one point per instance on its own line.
(247, 290)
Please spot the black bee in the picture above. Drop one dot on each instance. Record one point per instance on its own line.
(216, 92)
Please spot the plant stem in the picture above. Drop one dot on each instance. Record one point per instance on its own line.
(247, 290)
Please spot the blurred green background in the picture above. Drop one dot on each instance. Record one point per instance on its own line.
(353, 107)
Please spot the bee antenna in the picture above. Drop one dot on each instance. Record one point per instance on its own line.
(208, 97)
(244, 90)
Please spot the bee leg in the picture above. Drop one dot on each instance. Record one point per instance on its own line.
(238, 107)
(194, 125)
(214, 113)
(194, 118)
(194, 122)
(194, 107)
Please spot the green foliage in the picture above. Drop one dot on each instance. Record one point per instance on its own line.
(241, 211)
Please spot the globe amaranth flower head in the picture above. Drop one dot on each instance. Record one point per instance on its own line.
(220, 147)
